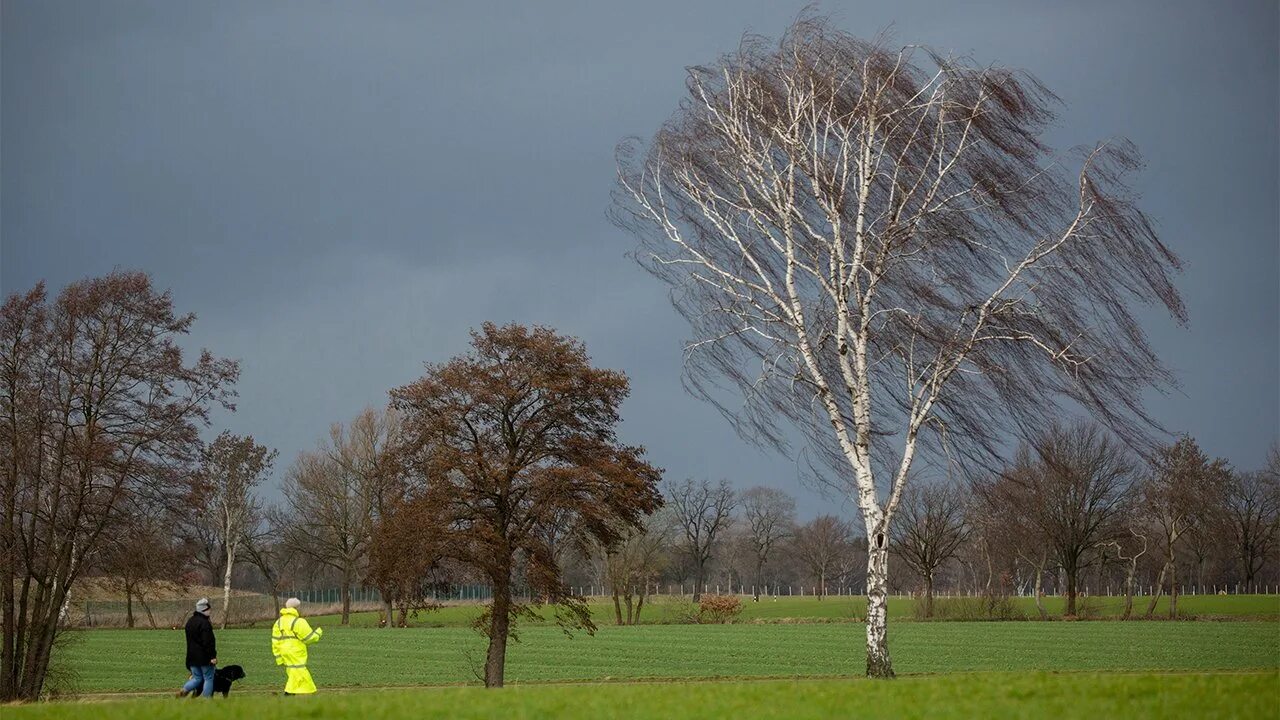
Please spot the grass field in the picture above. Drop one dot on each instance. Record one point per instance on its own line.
(1025, 695)
(665, 608)
(121, 660)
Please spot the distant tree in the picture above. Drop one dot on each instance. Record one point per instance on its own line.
(876, 247)
(770, 517)
(266, 549)
(819, 546)
(97, 405)
(929, 529)
(231, 469)
(703, 514)
(405, 561)
(502, 442)
(1252, 515)
(1130, 551)
(337, 493)
(1073, 485)
(634, 563)
(141, 551)
(365, 450)
(1179, 493)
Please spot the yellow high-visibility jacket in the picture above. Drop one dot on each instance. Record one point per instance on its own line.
(290, 637)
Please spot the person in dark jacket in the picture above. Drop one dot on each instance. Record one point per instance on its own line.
(202, 651)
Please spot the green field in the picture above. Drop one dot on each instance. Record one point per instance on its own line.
(1025, 695)
(102, 661)
(667, 609)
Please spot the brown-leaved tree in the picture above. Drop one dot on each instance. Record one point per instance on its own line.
(503, 443)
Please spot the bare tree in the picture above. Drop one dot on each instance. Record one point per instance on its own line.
(1072, 486)
(140, 551)
(339, 491)
(630, 567)
(1253, 515)
(232, 468)
(366, 451)
(703, 512)
(819, 546)
(1179, 494)
(929, 530)
(770, 517)
(97, 404)
(1130, 555)
(875, 247)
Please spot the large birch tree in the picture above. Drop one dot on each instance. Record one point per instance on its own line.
(877, 248)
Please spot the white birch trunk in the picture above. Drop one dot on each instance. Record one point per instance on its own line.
(878, 663)
(226, 585)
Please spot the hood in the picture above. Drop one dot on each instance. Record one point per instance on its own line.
(288, 612)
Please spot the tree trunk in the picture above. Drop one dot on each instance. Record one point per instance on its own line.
(928, 594)
(1128, 589)
(698, 580)
(346, 601)
(151, 618)
(635, 619)
(617, 608)
(226, 585)
(1155, 595)
(878, 663)
(499, 625)
(387, 609)
(1173, 589)
(627, 598)
(822, 584)
(128, 606)
(1072, 588)
(1039, 591)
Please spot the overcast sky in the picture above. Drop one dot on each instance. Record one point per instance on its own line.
(340, 191)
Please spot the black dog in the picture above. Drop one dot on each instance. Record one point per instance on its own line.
(222, 679)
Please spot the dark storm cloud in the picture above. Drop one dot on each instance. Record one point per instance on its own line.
(341, 190)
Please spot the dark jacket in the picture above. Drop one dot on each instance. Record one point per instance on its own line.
(201, 647)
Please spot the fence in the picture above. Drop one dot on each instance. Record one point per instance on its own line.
(250, 609)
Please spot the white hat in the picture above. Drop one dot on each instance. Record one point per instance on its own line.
(202, 605)
(292, 603)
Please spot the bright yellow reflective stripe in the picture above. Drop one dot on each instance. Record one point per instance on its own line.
(313, 632)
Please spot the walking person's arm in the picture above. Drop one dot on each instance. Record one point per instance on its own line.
(304, 632)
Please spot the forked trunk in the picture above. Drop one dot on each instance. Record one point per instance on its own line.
(878, 663)
(1173, 589)
(635, 620)
(1155, 595)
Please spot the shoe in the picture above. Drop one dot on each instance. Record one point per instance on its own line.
(180, 694)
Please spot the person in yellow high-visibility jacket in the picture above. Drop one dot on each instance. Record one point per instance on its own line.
(290, 636)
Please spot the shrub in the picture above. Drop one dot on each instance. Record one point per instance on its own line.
(719, 609)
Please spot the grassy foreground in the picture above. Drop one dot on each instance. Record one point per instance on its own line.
(668, 609)
(120, 660)
(1036, 695)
